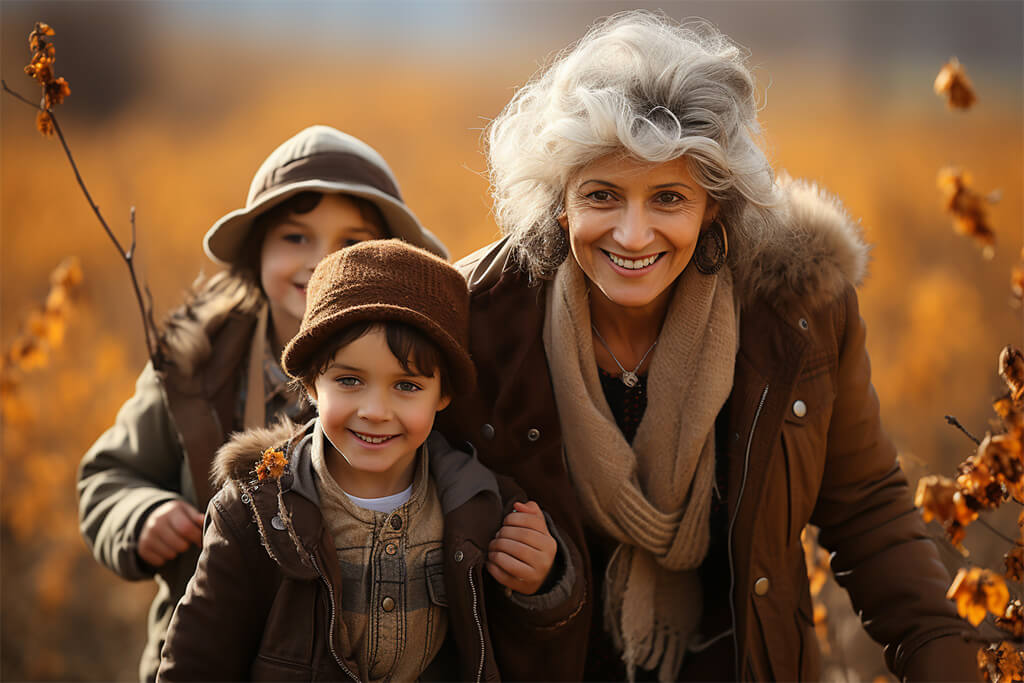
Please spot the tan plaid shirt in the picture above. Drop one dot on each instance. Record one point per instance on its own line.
(393, 600)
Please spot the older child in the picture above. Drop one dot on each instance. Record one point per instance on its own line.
(351, 547)
(142, 484)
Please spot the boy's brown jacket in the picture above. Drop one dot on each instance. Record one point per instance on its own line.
(266, 606)
(803, 443)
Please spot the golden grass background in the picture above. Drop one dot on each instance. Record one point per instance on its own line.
(206, 106)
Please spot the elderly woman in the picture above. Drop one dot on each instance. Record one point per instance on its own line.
(672, 362)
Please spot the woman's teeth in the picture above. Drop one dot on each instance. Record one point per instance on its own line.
(372, 439)
(630, 263)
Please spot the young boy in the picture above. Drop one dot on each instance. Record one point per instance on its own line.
(352, 548)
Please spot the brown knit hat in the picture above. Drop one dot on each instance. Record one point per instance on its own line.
(381, 280)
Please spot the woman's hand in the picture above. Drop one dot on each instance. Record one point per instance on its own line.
(520, 555)
(168, 532)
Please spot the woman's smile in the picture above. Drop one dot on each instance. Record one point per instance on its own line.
(638, 265)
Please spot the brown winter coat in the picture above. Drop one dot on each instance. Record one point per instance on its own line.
(825, 461)
(262, 608)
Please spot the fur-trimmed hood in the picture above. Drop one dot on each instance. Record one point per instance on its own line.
(810, 253)
(807, 253)
(237, 459)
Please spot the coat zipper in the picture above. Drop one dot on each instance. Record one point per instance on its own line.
(732, 524)
(479, 627)
(334, 611)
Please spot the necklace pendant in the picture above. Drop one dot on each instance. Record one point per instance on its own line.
(629, 379)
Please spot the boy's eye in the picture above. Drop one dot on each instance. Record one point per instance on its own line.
(351, 241)
(347, 381)
(407, 386)
(294, 238)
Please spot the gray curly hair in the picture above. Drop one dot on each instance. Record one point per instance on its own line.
(638, 84)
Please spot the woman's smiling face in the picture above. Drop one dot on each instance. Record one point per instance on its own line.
(633, 226)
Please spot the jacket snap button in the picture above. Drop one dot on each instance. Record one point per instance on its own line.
(532, 434)
(803, 323)
(396, 522)
(277, 523)
(799, 408)
(458, 556)
(387, 604)
(487, 431)
(390, 549)
(762, 585)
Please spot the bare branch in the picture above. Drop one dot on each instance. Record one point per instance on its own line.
(956, 423)
(148, 326)
(20, 97)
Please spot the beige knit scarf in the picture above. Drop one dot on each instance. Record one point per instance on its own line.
(654, 497)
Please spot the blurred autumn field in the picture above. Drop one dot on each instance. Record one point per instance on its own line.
(183, 147)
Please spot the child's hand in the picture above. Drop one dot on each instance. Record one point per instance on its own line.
(520, 555)
(168, 531)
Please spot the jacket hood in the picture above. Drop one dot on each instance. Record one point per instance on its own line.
(807, 253)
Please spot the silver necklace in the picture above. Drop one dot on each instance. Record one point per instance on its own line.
(629, 377)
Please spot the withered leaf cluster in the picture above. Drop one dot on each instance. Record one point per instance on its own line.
(968, 208)
(994, 473)
(952, 82)
(43, 332)
(1001, 663)
(44, 54)
(272, 465)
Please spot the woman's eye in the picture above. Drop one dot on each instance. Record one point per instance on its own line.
(407, 386)
(669, 198)
(600, 195)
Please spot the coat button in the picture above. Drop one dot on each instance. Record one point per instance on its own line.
(532, 434)
(458, 556)
(396, 522)
(487, 431)
(762, 585)
(390, 548)
(277, 522)
(799, 408)
(387, 604)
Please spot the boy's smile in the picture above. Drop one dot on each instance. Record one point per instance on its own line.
(376, 415)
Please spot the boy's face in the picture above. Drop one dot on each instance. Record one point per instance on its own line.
(293, 247)
(376, 414)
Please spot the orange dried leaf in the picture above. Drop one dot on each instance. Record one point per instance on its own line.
(967, 207)
(977, 592)
(27, 353)
(272, 465)
(1011, 370)
(1012, 619)
(952, 82)
(1001, 663)
(68, 274)
(44, 123)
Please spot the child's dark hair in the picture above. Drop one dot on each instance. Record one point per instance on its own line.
(415, 351)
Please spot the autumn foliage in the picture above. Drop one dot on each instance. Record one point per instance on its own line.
(55, 89)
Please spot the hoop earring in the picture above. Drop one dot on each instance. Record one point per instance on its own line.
(712, 249)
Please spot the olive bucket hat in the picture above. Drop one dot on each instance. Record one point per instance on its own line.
(319, 159)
